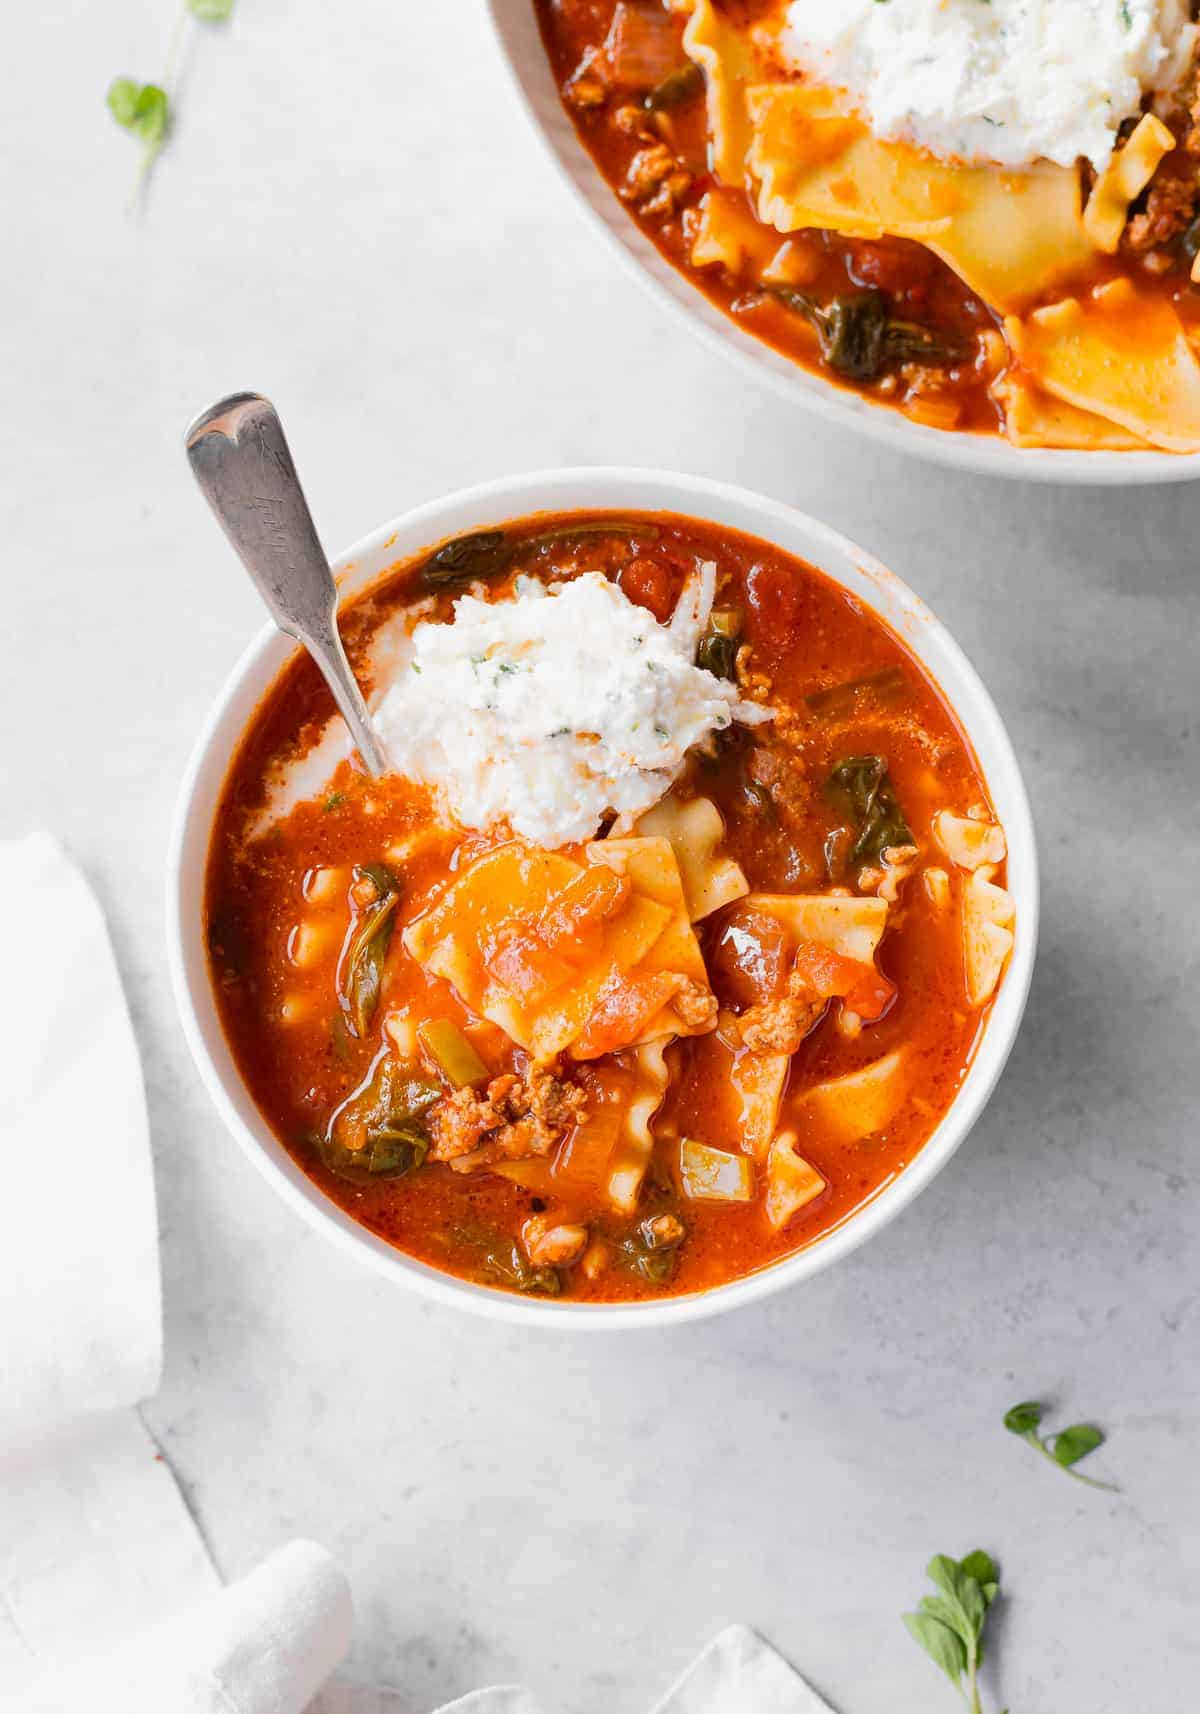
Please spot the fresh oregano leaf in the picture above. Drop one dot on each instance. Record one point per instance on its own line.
(940, 1642)
(983, 1568)
(1075, 1443)
(1023, 1418)
(142, 108)
(1065, 1448)
(950, 1626)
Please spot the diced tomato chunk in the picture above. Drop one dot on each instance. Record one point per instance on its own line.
(830, 976)
(582, 906)
(652, 585)
(527, 967)
(625, 1006)
(777, 598)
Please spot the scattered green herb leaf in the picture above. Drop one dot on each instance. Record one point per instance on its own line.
(145, 109)
(1065, 1448)
(949, 1626)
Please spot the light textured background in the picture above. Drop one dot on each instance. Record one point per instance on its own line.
(353, 218)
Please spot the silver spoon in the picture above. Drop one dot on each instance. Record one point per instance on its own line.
(240, 458)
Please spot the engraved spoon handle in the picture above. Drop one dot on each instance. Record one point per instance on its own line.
(240, 458)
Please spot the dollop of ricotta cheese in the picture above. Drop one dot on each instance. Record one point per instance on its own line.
(556, 707)
(1010, 81)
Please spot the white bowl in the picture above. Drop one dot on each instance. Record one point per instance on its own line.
(495, 503)
(516, 28)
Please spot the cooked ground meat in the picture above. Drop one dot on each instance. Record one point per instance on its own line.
(517, 1118)
(656, 181)
(1170, 206)
(696, 1006)
(779, 1026)
(783, 783)
(550, 1245)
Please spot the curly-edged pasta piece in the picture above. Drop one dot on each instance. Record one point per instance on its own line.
(1009, 235)
(635, 1141)
(1125, 177)
(988, 916)
(844, 924)
(695, 830)
(725, 54)
(726, 234)
(1033, 418)
(1119, 353)
(969, 843)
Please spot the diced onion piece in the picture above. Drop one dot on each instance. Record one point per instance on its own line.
(967, 842)
(988, 915)
(451, 1052)
(792, 1183)
(711, 1175)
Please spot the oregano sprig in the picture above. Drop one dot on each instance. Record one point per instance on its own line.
(145, 109)
(1065, 1448)
(950, 1626)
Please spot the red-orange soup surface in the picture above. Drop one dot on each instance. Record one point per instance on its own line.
(809, 922)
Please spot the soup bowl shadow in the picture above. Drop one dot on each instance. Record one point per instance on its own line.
(515, 26)
(499, 502)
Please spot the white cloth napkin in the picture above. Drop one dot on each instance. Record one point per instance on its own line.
(108, 1599)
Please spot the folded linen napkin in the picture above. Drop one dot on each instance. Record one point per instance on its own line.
(108, 1599)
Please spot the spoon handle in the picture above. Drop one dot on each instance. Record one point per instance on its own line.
(240, 458)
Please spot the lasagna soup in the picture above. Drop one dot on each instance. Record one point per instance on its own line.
(662, 947)
(983, 212)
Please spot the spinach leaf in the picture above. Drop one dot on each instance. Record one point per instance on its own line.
(509, 1264)
(380, 1132)
(860, 339)
(862, 786)
(361, 975)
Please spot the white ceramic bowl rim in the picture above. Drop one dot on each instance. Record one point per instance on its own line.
(516, 31)
(493, 503)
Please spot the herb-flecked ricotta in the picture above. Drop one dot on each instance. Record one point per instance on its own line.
(1010, 81)
(557, 707)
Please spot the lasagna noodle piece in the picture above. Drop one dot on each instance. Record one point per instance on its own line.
(695, 830)
(1119, 354)
(726, 56)
(1011, 236)
(1124, 178)
(811, 163)
(1033, 418)
(860, 1103)
(635, 1141)
(483, 938)
(851, 927)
